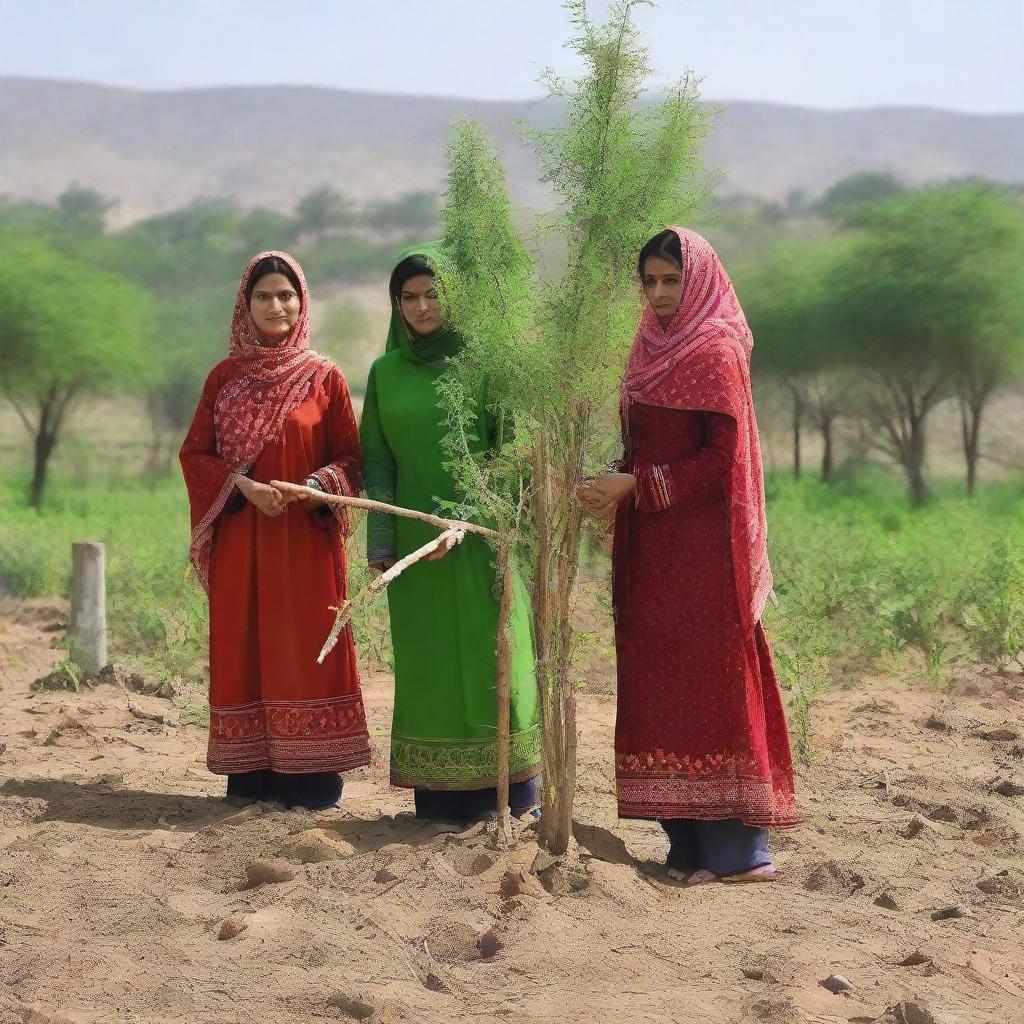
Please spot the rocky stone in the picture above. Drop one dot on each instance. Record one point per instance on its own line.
(542, 862)
(513, 883)
(887, 901)
(836, 984)
(489, 943)
(230, 929)
(357, 1005)
(916, 959)
(834, 877)
(911, 1011)
(268, 872)
(951, 913)
(916, 826)
(1003, 735)
(316, 847)
(1008, 787)
(1002, 884)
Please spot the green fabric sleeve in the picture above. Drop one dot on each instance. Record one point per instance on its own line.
(379, 476)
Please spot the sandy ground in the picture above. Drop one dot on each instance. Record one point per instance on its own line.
(125, 890)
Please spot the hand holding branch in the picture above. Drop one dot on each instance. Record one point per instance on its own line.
(266, 497)
(600, 495)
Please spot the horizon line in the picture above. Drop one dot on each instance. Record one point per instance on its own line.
(522, 101)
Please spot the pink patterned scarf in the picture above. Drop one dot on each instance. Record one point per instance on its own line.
(269, 381)
(264, 384)
(701, 361)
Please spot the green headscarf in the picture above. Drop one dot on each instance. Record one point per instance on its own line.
(432, 348)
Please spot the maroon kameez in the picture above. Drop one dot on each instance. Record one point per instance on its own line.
(700, 731)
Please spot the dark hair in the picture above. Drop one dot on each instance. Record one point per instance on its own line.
(665, 245)
(271, 265)
(412, 266)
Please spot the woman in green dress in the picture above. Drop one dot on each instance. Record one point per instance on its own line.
(444, 614)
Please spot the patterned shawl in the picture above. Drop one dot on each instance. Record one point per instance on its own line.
(264, 384)
(701, 361)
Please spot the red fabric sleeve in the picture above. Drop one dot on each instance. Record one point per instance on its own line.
(343, 472)
(207, 476)
(692, 478)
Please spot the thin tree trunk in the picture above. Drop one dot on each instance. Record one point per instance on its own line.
(972, 409)
(798, 412)
(913, 463)
(43, 449)
(827, 456)
(51, 415)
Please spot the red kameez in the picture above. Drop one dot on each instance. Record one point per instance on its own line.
(272, 582)
(700, 731)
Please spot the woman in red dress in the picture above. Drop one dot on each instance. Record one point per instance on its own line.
(281, 726)
(700, 741)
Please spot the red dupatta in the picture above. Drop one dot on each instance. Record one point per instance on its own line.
(701, 362)
(259, 386)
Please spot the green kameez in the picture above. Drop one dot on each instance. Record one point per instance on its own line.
(444, 614)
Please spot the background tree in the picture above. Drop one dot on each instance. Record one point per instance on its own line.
(82, 213)
(989, 234)
(925, 299)
(72, 330)
(413, 214)
(856, 189)
(786, 299)
(321, 211)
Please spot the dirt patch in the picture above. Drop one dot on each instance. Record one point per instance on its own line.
(121, 866)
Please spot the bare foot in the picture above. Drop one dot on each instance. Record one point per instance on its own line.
(765, 873)
(679, 874)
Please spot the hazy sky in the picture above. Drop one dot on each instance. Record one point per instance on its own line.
(963, 54)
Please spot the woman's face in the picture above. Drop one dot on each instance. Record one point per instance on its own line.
(275, 306)
(663, 287)
(420, 305)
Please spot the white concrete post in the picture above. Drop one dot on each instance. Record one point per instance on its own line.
(88, 630)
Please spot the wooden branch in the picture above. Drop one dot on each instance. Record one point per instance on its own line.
(22, 415)
(448, 539)
(380, 506)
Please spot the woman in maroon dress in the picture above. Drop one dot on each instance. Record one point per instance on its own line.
(700, 740)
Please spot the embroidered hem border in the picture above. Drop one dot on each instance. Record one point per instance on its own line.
(289, 736)
(462, 764)
(754, 801)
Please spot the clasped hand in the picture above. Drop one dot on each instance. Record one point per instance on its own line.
(599, 495)
(269, 500)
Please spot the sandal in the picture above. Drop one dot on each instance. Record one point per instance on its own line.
(764, 873)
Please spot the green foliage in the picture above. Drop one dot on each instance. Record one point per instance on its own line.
(786, 297)
(545, 352)
(72, 328)
(991, 605)
(548, 350)
(156, 613)
(321, 210)
(620, 171)
(489, 287)
(411, 215)
(887, 583)
(858, 189)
